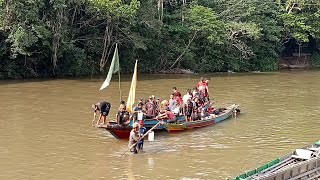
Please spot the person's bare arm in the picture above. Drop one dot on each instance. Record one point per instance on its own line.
(94, 117)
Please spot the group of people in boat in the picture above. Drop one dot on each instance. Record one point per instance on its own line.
(194, 105)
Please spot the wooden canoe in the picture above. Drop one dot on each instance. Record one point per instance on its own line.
(302, 163)
(212, 119)
(123, 132)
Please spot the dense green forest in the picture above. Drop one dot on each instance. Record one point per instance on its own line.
(49, 38)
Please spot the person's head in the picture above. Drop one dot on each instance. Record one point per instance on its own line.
(207, 80)
(202, 79)
(158, 99)
(93, 106)
(122, 107)
(171, 96)
(135, 126)
(174, 89)
(140, 105)
(122, 102)
(141, 99)
(189, 91)
(163, 104)
(141, 123)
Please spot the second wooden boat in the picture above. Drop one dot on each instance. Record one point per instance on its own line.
(212, 119)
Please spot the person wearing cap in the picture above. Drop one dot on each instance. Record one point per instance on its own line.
(133, 138)
(142, 131)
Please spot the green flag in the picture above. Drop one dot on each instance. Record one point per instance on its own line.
(114, 67)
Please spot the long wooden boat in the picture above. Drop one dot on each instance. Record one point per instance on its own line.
(123, 132)
(300, 164)
(212, 119)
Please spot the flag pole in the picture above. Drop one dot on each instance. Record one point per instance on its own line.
(120, 85)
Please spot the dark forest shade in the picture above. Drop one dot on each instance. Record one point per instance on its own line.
(43, 38)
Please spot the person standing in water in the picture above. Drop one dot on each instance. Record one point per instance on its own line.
(133, 138)
(142, 131)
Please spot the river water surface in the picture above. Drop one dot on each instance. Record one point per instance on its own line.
(46, 133)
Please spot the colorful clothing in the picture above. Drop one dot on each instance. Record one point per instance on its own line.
(133, 138)
(142, 131)
(170, 115)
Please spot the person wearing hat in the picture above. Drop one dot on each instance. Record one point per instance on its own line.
(133, 138)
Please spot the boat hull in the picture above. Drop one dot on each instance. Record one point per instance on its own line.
(174, 128)
(123, 132)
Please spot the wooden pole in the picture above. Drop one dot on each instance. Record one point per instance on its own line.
(141, 137)
(120, 85)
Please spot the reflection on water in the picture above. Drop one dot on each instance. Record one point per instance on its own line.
(46, 128)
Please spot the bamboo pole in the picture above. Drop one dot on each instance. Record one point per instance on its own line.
(141, 138)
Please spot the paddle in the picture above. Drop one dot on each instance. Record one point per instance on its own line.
(141, 138)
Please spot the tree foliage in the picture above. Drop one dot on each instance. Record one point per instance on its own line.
(45, 38)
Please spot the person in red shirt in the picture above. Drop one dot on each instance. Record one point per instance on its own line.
(203, 88)
(177, 97)
(176, 92)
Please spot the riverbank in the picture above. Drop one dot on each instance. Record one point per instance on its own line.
(297, 61)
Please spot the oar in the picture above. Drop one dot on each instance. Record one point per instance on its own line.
(141, 137)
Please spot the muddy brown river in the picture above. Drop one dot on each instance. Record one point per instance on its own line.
(46, 133)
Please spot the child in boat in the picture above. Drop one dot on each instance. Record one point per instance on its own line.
(137, 109)
(188, 110)
(122, 116)
(142, 131)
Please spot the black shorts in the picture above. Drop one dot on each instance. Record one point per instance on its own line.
(188, 112)
(104, 113)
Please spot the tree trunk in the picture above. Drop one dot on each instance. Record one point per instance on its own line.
(56, 36)
(106, 45)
